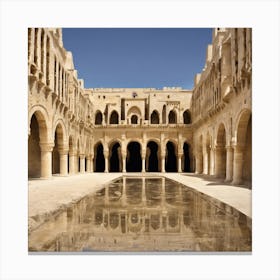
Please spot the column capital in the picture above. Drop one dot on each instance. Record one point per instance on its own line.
(46, 147)
(229, 148)
(238, 148)
(82, 156)
(63, 151)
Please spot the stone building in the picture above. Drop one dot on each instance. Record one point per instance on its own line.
(204, 130)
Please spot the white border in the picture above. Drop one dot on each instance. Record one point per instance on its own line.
(263, 16)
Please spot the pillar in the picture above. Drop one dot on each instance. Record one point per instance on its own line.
(198, 163)
(180, 163)
(123, 162)
(229, 168)
(63, 165)
(72, 161)
(46, 159)
(82, 163)
(205, 162)
(212, 161)
(106, 156)
(163, 163)
(143, 165)
(237, 165)
(89, 161)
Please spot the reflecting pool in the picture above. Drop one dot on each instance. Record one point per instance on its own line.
(144, 214)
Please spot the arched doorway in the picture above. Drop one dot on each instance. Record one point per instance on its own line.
(115, 157)
(98, 117)
(187, 160)
(114, 118)
(220, 155)
(172, 117)
(34, 151)
(134, 119)
(78, 164)
(171, 158)
(242, 172)
(99, 165)
(134, 161)
(152, 157)
(58, 143)
(198, 156)
(155, 117)
(164, 114)
(187, 117)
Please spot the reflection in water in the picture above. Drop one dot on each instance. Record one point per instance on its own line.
(145, 214)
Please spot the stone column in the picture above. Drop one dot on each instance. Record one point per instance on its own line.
(106, 156)
(82, 163)
(63, 158)
(163, 163)
(229, 168)
(180, 163)
(198, 163)
(212, 161)
(89, 161)
(143, 155)
(205, 162)
(72, 160)
(46, 159)
(237, 165)
(123, 162)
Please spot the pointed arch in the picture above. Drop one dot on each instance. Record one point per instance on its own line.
(155, 117)
(114, 117)
(172, 117)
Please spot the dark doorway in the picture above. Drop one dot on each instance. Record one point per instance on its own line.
(99, 158)
(172, 118)
(164, 114)
(114, 119)
(154, 117)
(153, 157)
(187, 162)
(133, 161)
(55, 156)
(187, 117)
(98, 117)
(34, 151)
(115, 158)
(134, 119)
(171, 159)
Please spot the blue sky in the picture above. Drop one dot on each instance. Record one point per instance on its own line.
(137, 57)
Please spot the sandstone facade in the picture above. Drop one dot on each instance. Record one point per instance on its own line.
(204, 130)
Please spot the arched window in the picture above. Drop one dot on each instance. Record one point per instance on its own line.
(155, 117)
(172, 118)
(98, 117)
(164, 114)
(134, 119)
(114, 118)
(187, 117)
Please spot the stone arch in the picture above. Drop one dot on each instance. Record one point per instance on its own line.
(59, 145)
(172, 117)
(171, 156)
(114, 117)
(152, 156)
(115, 157)
(155, 117)
(98, 117)
(38, 132)
(243, 148)
(134, 111)
(134, 159)
(220, 152)
(42, 118)
(187, 117)
(99, 159)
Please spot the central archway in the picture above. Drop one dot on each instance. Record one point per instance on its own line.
(155, 117)
(115, 157)
(171, 158)
(172, 117)
(99, 165)
(152, 162)
(114, 118)
(133, 161)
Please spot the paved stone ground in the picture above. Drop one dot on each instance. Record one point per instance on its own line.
(47, 197)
